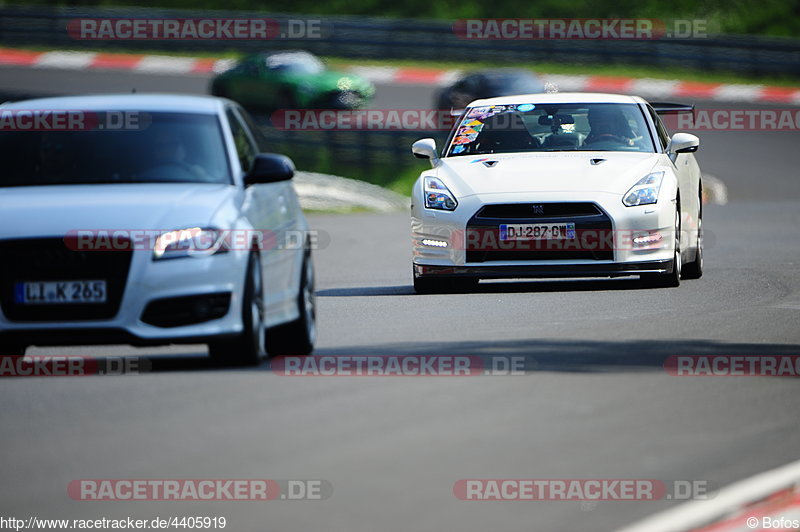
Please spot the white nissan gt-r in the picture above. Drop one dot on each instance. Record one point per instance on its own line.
(558, 185)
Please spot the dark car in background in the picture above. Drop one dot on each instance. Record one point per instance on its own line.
(291, 80)
(488, 84)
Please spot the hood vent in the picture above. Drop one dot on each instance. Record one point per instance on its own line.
(489, 164)
(597, 161)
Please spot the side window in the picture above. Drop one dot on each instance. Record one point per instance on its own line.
(663, 136)
(245, 148)
(467, 84)
(255, 131)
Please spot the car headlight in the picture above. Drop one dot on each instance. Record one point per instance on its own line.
(437, 195)
(191, 242)
(344, 84)
(645, 191)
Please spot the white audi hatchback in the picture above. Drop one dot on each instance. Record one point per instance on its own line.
(148, 220)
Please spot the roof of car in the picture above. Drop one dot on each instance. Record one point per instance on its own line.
(559, 97)
(125, 102)
(289, 52)
(502, 71)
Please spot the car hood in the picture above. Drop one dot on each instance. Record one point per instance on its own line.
(613, 172)
(28, 212)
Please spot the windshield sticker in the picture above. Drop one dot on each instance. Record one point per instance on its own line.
(473, 122)
(459, 149)
(470, 131)
(490, 110)
(525, 107)
(467, 133)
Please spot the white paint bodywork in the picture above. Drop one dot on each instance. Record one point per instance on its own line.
(566, 176)
(54, 211)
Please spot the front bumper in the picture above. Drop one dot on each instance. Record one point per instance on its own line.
(443, 243)
(517, 271)
(154, 291)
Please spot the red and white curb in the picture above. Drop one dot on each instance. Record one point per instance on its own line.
(148, 64)
(767, 501)
(649, 88)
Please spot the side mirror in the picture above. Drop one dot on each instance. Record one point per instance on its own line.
(269, 168)
(425, 149)
(683, 143)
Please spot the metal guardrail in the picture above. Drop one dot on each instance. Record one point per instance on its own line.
(364, 37)
(373, 156)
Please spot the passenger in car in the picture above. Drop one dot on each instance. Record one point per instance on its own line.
(505, 132)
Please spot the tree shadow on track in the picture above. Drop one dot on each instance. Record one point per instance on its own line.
(530, 356)
(580, 356)
(498, 287)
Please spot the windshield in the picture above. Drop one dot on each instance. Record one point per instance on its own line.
(532, 127)
(295, 63)
(169, 147)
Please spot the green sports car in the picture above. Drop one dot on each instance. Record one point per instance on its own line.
(291, 80)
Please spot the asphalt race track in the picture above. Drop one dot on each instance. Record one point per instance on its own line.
(595, 403)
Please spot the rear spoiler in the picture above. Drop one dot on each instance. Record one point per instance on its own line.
(663, 108)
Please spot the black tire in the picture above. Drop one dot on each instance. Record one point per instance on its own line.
(457, 285)
(673, 278)
(297, 338)
(694, 269)
(247, 349)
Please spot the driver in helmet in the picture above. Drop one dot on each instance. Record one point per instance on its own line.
(608, 124)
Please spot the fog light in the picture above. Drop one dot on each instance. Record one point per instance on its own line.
(434, 243)
(647, 239)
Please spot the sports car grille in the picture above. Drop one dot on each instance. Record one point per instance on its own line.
(592, 225)
(537, 210)
(49, 259)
